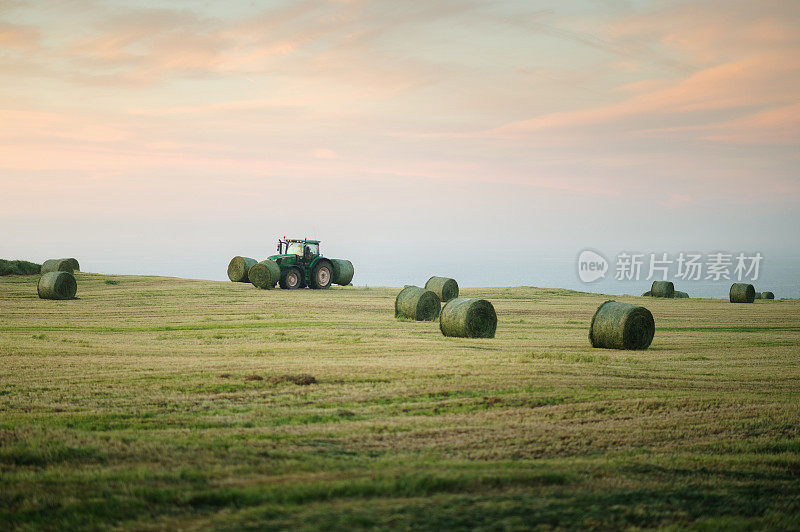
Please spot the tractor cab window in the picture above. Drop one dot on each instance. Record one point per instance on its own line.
(296, 248)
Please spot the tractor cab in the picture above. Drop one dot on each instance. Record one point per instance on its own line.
(305, 249)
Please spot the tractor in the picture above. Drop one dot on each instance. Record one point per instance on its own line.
(301, 264)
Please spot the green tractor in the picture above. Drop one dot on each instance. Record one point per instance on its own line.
(301, 265)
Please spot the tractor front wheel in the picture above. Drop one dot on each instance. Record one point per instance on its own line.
(291, 279)
(322, 276)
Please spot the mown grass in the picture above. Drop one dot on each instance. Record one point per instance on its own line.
(168, 403)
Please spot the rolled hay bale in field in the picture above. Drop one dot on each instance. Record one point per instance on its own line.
(767, 295)
(57, 285)
(663, 289)
(444, 287)
(74, 263)
(19, 267)
(239, 267)
(622, 326)
(342, 271)
(743, 293)
(468, 318)
(264, 274)
(681, 295)
(648, 294)
(57, 265)
(417, 303)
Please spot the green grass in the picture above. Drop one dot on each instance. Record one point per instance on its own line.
(168, 403)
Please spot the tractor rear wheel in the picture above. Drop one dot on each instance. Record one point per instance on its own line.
(291, 278)
(322, 276)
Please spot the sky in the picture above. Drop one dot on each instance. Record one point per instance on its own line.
(490, 141)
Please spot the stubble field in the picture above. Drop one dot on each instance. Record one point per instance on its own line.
(169, 403)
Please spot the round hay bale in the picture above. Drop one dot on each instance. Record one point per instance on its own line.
(742, 293)
(648, 294)
(239, 267)
(74, 263)
(57, 265)
(621, 326)
(681, 295)
(265, 274)
(468, 318)
(767, 295)
(342, 271)
(444, 287)
(663, 289)
(19, 267)
(57, 285)
(417, 303)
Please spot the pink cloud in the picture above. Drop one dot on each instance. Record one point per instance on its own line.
(324, 153)
(40, 125)
(747, 58)
(316, 90)
(779, 125)
(746, 83)
(19, 37)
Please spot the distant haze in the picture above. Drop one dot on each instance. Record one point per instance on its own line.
(488, 141)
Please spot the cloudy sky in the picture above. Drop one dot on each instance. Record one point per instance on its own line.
(489, 139)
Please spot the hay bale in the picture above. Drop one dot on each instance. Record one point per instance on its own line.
(74, 263)
(648, 294)
(663, 289)
(621, 326)
(239, 267)
(468, 318)
(767, 295)
(57, 265)
(681, 295)
(19, 267)
(342, 271)
(742, 293)
(417, 303)
(444, 287)
(57, 285)
(264, 274)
